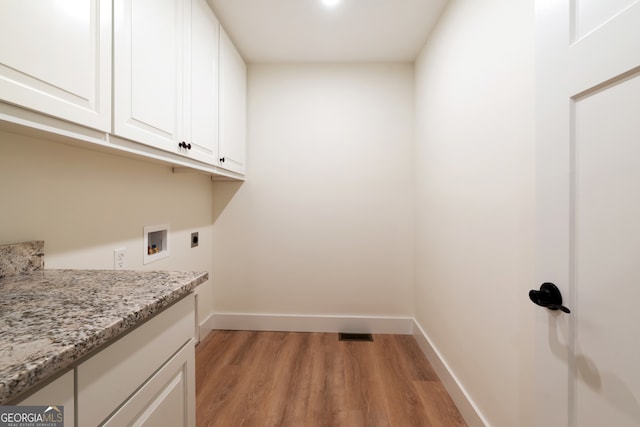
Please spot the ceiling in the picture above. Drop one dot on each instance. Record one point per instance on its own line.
(309, 31)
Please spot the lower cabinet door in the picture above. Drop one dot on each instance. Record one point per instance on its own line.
(167, 399)
(57, 393)
(119, 371)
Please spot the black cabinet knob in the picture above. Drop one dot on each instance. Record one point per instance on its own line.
(222, 159)
(548, 296)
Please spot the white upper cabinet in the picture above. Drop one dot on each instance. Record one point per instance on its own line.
(166, 71)
(156, 78)
(148, 68)
(201, 83)
(233, 106)
(55, 58)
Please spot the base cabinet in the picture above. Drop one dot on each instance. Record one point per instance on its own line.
(59, 392)
(144, 375)
(145, 378)
(167, 399)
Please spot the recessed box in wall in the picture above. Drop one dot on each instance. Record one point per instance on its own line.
(156, 242)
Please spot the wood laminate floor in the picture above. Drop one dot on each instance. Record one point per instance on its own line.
(281, 379)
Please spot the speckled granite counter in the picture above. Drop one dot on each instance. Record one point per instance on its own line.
(49, 319)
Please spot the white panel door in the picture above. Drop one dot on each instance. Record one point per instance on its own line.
(201, 82)
(233, 106)
(148, 66)
(588, 170)
(55, 58)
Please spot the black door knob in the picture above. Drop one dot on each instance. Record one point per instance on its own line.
(548, 296)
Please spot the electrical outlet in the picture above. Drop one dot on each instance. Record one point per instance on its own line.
(194, 239)
(119, 258)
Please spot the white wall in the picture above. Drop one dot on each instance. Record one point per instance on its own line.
(323, 224)
(475, 201)
(84, 204)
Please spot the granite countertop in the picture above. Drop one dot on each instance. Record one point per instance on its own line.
(49, 319)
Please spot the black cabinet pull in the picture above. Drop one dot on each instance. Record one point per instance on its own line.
(222, 159)
(184, 145)
(548, 296)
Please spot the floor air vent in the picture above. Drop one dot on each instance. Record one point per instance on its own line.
(343, 336)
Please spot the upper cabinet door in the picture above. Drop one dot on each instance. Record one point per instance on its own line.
(148, 65)
(201, 82)
(55, 58)
(233, 106)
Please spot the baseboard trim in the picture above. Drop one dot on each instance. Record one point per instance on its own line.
(203, 328)
(465, 404)
(300, 323)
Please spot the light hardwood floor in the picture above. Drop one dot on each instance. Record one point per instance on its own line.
(281, 379)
